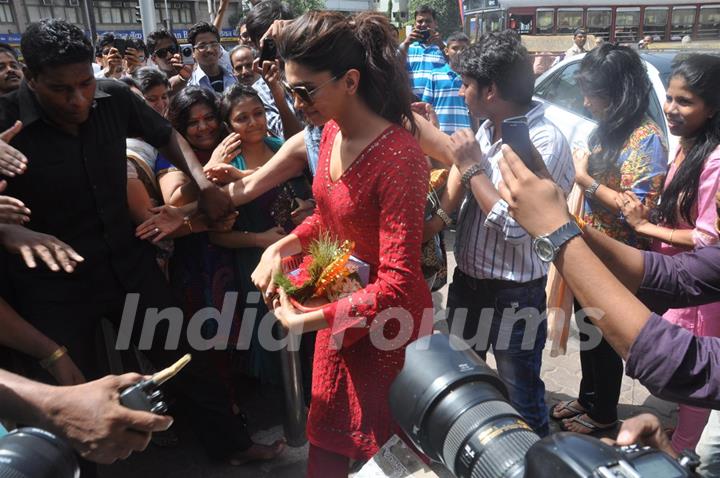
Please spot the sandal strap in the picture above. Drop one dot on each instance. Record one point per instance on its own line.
(566, 406)
(591, 426)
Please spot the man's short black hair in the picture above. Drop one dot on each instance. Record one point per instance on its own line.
(201, 27)
(500, 58)
(4, 47)
(458, 36)
(579, 31)
(138, 44)
(426, 9)
(260, 17)
(108, 39)
(154, 38)
(54, 42)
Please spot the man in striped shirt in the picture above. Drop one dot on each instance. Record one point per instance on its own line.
(424, 49)
(497, 297)
(443, 88)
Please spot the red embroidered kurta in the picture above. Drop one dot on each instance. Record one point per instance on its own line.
(378, 203)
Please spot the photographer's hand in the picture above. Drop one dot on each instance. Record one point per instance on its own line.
(644, 429)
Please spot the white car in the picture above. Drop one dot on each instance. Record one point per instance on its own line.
(560, 92)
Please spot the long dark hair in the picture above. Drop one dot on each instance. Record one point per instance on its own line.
(617, 74)
(182, 103)
(702, 77)
(326, 41)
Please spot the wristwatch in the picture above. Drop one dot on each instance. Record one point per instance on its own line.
(547, 246)
(473, 170)
(592, 189)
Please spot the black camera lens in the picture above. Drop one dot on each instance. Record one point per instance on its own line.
(454, 408)
(34, 453)
(187, 51)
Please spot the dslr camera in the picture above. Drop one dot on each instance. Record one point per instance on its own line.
(455, 410)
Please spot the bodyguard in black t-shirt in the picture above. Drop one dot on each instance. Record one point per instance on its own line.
(73, 135)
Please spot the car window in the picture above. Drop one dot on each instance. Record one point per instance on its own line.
(561, 89)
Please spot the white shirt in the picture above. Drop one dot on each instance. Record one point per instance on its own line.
(494, 246)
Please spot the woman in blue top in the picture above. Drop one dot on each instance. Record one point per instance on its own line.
(262, 221)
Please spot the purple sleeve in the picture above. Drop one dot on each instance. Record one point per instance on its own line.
(683, 280)
(675, 365)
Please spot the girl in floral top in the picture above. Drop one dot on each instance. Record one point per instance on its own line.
(687, 213)
(628, 153)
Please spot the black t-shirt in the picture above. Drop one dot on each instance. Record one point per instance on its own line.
(76, 188)
(217, 82)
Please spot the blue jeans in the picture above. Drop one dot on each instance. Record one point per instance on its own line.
(510, 318)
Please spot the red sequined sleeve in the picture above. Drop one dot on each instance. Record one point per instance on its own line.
(309, 229)
(401, 189)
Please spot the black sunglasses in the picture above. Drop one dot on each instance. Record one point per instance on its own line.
(162, 52)
(305, 95)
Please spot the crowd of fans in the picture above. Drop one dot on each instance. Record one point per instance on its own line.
(129, 169)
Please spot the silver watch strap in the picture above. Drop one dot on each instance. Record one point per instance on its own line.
(592, 189)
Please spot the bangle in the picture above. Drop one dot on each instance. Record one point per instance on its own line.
(188, 223)
(671, 235)
(48, 362)
(443, 215)
(592, 189)
(473, 170)
(582, 224)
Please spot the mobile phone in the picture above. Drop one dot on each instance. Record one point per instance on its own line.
(425, 34)
(515, 133)
(120, 44)
(186, 52)
(269, 51)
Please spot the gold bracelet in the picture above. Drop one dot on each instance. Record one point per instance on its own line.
(188, 222)
(671, 235)
(48, 362)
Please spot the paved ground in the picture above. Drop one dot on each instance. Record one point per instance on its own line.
(264, 409)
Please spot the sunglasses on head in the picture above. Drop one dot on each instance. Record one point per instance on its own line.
(305, 95)
(163, 52)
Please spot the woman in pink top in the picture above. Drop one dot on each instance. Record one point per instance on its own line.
(687, 217)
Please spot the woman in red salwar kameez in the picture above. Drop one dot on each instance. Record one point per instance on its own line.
(370, 188)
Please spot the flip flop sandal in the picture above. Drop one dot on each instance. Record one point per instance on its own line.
(565, 406)
(590, 426)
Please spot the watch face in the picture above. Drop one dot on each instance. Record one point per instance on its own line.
(544, 248)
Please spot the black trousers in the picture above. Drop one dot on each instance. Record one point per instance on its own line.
(198, 387)
(602, 371)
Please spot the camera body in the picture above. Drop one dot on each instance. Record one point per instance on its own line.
(186, 53)
(145, 397)
(455, 410)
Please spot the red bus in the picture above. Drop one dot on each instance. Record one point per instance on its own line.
(624, 21)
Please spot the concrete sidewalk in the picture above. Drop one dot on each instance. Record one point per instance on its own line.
(264, 410)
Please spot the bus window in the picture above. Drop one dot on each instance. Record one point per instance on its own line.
(655, 22)
(569, 19)
(709, 23)
(545, 21)
(627, 24)
(598, 21)
(492, 22)
(682, 22)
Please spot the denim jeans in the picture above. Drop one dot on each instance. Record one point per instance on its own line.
(510, 318)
